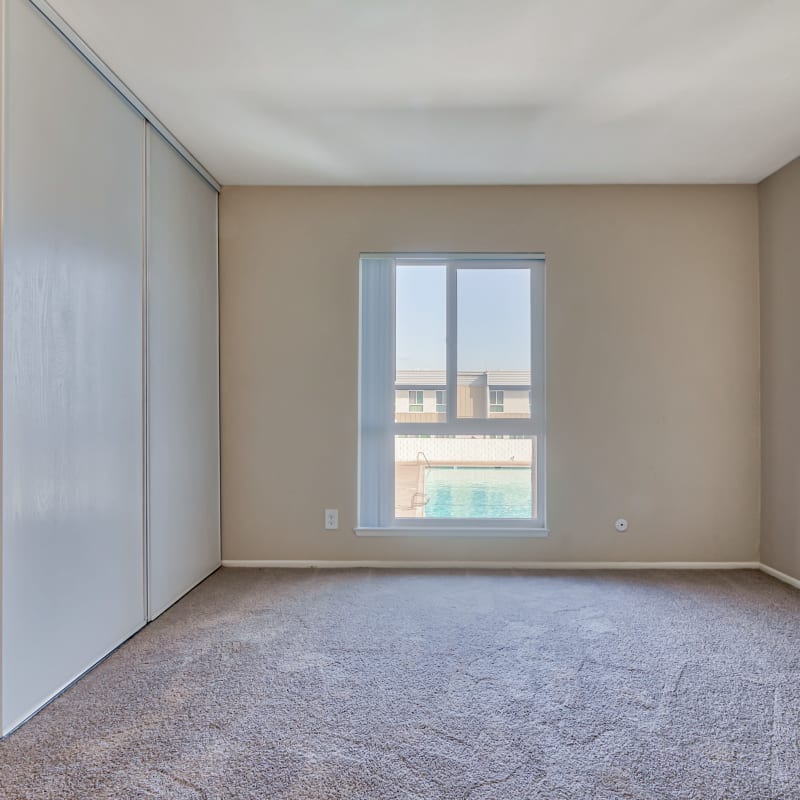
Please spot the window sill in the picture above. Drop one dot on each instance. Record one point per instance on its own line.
(455, 532)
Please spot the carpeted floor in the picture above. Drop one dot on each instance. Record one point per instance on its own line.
(374, 684)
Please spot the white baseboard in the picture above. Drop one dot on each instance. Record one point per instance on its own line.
(781, 576)
(523, 565)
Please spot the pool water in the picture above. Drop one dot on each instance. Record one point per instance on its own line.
(478, 492)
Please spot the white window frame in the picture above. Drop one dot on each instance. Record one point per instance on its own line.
(502, 405)
(443, 404)
(412, 406)
(377, 426)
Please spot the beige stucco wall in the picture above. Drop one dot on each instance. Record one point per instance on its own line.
(653, 387)
(779, 200)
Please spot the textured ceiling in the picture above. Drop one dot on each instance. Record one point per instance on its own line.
(463, 92)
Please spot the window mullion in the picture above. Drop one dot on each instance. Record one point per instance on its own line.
(468, 427)
(451, 344)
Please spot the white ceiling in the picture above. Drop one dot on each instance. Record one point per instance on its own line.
(463, 91)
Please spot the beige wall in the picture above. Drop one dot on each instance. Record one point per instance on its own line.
(653, 395)
(779, 200)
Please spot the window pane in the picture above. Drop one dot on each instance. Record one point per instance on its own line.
(464, 477)
(494, 343)
(421, 332)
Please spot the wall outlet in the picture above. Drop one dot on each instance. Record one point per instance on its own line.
(331, 519)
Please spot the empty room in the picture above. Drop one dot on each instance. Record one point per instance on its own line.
(400, 400)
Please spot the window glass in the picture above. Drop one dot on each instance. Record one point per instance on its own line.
(464, 477)
(420, 339)
(494, 341)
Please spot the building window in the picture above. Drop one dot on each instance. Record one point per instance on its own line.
(462, 322)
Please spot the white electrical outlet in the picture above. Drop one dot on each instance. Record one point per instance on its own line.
(331, 519)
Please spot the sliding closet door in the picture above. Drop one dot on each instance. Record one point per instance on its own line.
(72, 517)
(183, 377)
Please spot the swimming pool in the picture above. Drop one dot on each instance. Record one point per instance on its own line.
(478, 492)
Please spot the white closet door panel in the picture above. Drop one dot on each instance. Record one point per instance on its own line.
(183, 379)
(72, 517)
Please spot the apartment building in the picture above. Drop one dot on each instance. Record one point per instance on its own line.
(421, 395)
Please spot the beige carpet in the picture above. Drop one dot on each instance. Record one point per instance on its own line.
(465, 685)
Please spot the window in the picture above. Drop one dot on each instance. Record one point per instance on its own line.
(457, 325)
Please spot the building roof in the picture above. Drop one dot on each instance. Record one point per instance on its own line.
(434, 378)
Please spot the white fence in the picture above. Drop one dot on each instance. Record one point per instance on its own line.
(440, 450)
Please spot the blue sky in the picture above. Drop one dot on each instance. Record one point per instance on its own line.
(493, 318)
